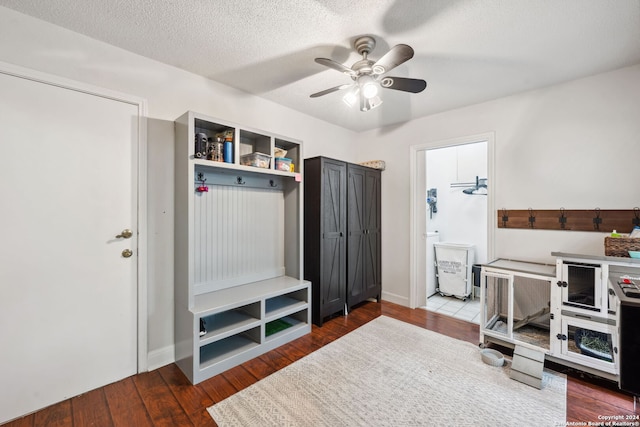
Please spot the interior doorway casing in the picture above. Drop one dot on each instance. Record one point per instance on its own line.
(418, 208)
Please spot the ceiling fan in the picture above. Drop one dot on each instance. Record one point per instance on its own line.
(368, 76)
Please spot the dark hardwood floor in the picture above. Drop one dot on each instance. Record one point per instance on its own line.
(164, 397)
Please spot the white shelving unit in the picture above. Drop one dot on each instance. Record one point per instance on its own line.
(238, 249)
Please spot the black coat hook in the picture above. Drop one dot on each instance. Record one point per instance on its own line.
(563, 219)
(597, 220)
(532, 218)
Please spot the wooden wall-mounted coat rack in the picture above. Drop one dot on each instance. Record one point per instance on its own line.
(602, 220)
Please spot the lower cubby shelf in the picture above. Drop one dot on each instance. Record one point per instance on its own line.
(229, 347)
(242, 323)
(294, 324)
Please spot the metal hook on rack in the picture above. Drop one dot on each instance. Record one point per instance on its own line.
(505, 217)
(532, 218)
(636, 220)
(272, 183)
(202, 188)
(597, 220)
(563, 219)
(240, 181)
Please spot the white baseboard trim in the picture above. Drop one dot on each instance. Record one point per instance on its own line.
(396, 299)
(160, 357)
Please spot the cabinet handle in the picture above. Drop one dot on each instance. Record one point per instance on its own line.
(561, 337)
(583, 316)
(562, 284)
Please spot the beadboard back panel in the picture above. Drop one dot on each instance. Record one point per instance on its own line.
(240, 236)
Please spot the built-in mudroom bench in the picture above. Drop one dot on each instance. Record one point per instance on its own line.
(239, 287)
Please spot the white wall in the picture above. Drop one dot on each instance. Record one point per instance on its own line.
(170, 92)
(574, 145)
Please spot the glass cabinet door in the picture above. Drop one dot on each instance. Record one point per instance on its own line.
(590, 343)
(581, 286)
(497, 305)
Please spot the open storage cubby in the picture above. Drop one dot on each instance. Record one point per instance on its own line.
(215, 353)
(238, 249)
(293, 152)
(515, 303)
(226, 323)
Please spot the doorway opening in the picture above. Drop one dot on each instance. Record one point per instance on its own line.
(451, 209)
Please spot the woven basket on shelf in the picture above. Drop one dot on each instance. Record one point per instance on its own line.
(375, 164)
(620, 246)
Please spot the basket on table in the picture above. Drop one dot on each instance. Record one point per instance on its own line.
(620, 246)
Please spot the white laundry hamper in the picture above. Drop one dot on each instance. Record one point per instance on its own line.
(454, 262)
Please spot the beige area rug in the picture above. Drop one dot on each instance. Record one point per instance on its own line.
(391, 373)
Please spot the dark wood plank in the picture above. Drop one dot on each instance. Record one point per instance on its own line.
(26, 421)
(239, 377)
(218, 388)
(91, 409)
(57, 415)
(191, 398)
(276, 358)
(259, 368)
(125, 404)
(162, 406)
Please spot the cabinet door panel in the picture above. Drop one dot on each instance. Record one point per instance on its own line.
(333, 270)
(332, 278)
(356, 240)
(373, 240)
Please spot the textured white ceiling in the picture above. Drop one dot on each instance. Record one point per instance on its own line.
(468, 51)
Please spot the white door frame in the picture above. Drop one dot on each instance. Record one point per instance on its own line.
(141, 104)
(415, 208)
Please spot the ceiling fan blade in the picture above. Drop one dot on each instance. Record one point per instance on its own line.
(404, 84)
(398, 54)
(330, 90)
(336, 66)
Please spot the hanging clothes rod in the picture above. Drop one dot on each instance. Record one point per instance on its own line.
(478, 182)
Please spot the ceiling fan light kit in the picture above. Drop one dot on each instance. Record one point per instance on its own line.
(367, 75)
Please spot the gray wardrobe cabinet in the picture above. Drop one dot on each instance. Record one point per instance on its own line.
(342, 235)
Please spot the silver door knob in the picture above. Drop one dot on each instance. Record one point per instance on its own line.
(126, 233)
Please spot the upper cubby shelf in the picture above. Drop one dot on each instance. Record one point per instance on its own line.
(220, 144)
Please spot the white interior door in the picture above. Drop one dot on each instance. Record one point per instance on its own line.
(68, 304)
